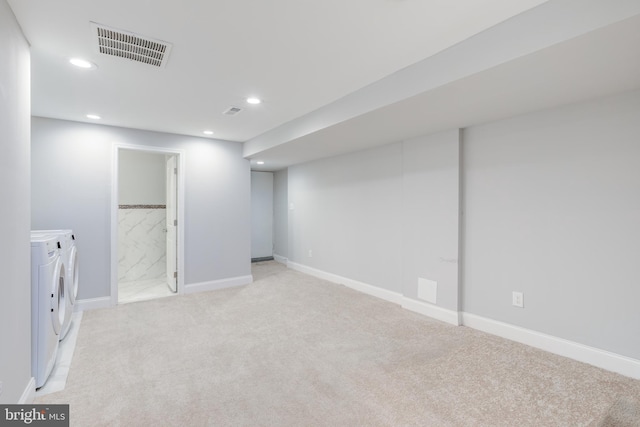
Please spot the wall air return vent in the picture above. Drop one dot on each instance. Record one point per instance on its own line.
(232, 111)
(132, 46)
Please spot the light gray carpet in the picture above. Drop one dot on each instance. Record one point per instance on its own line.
(625, 412)
(293, 350)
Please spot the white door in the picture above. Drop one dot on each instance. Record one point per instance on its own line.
(172, 271)
(261, 215)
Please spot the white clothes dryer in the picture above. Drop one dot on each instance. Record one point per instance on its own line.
(69, 254)
(47, 305)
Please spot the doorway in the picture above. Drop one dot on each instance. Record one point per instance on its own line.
(261, 216)
(146, 230)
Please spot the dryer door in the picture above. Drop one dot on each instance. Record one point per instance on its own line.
(57, 292)
(71, 283)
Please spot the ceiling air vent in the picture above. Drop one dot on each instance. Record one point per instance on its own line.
(132, 46)
(232, 111)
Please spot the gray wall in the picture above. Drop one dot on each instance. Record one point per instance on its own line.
(430, 215)
(550, 203)
(15, 255)
(347, 211)
(552, 209)
(261, 214)
(385, 216)
(280, 213)
(71, 187)
(142, 178)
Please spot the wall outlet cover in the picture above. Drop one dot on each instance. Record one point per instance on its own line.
(518, 299)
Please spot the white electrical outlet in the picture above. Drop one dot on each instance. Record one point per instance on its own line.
(310, 253)
(518, 299)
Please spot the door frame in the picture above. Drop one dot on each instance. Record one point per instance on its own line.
(180, 161)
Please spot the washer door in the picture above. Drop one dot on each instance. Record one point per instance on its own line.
(72, 276)
(58, 302)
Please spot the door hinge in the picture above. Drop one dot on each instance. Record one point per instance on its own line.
(175, 171)
(175, 275)
(175, 222)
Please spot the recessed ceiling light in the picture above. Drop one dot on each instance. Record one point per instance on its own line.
(82, 63)
(260, 162)
(93, 117)
(253, 100)
(208, 132)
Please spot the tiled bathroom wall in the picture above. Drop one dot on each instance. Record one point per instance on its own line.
(141, 242)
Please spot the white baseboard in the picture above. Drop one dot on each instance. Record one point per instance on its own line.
(92, 303)
(430, 310)
(280, 259)
(215, 285)
(29, 393)
(582, 353)
(375, 291)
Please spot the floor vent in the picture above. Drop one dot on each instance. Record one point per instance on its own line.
(132, 46)
(232, 111)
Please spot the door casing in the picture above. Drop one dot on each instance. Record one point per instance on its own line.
(180, 161)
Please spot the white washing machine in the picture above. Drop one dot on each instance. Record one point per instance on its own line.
(48, 305)
(69, 254)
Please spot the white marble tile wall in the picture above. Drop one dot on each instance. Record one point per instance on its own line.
(141, 244)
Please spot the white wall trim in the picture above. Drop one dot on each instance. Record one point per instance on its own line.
(29, 393)
(280, 259)
(582, 353)
(430, 310)
(92, 303)
(215, 285)
(576, 351)
(375, 291)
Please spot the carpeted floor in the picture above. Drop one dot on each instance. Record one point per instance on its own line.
(293, 350)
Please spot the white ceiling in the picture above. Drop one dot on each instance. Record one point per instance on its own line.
(602, 62)
(315, 63)
(297, 55)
